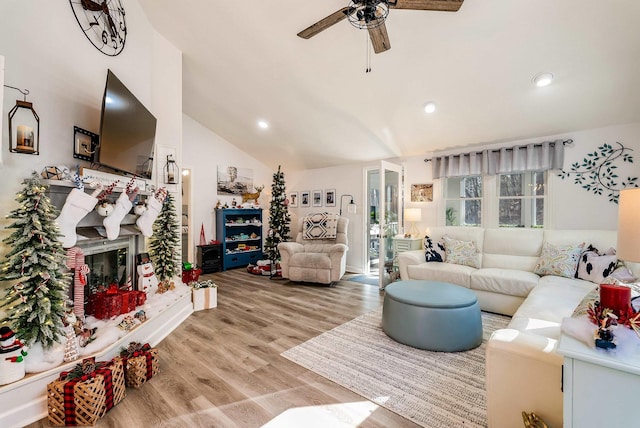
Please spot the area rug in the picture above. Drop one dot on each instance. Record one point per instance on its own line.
(364, 279)
(433, 389)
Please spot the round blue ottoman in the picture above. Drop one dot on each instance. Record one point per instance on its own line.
(431, 315)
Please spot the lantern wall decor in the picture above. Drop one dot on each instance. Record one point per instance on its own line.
(171, 171)
(24, 126)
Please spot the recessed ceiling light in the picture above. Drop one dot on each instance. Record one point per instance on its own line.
(263, 124)
(430, 107)
(543, 79)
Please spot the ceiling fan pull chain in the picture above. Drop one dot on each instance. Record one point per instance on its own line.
(368, 53)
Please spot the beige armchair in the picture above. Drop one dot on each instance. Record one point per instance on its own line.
(316, 260)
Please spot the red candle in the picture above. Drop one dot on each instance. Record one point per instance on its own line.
(615, 297)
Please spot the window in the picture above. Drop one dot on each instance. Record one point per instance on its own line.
(464, 201)
(521, 199)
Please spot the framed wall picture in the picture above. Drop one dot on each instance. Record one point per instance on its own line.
(422, 192)
(330, 198)
(293, 199)
(305, 198)
(317, 198)
(84, 144)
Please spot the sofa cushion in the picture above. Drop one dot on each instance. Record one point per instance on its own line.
(560, 260)
(551, 300)
(504, 281)
(434, 251)
(443, 272)
(311, 260)
(595, 267)
(461, 252)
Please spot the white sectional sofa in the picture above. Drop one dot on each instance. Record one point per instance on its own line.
(523, 371)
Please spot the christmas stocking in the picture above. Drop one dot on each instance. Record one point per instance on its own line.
(154, 205)
(77, 205)
(112, 222)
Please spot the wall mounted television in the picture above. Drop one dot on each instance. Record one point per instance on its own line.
(127, 131)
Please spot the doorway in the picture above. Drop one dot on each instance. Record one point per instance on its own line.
(384, 203)
(187, 227)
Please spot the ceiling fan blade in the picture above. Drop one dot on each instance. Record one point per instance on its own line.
(439, 5)
(379, 38)
(325, 23)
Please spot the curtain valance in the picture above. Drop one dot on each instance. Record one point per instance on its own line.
(530, 157)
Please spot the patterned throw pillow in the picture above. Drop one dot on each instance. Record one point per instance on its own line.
(461, 252)
(594, 266)
(320, 226)
(434, 251)
(560, 260)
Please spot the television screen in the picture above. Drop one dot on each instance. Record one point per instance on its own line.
(127, 131)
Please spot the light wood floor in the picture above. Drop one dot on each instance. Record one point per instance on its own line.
(222, 367)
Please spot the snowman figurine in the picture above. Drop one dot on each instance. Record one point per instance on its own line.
(147, 280)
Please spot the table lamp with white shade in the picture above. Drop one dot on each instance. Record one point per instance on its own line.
(413, 215)
(628, 248)
(613, 296)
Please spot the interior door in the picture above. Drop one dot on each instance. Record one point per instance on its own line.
(390, 207)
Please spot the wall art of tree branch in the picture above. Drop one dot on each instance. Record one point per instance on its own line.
(598, 171)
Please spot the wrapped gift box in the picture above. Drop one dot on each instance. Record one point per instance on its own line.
(140, 365)
(78, 398)
(205, 298)
(105, 305)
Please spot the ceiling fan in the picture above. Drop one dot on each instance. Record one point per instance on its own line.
(371, 14)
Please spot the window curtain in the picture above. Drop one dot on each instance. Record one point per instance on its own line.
(530, 157)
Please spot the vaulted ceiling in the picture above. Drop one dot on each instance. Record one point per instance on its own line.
(242, 62)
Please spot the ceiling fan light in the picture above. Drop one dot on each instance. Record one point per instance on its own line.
(430, 107)
(543, 79)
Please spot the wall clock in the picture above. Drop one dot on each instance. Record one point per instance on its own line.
(103, 23)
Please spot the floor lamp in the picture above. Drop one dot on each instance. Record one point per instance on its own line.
(413, 215)
(351, 206)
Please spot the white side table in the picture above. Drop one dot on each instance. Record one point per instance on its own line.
(601, 389)
(402, 244)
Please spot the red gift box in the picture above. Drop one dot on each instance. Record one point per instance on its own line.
(191, 275)
(104, 306)
(141, 298)
(129, 301)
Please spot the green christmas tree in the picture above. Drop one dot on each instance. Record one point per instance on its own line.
(35, 303)
(279, 218)
(163, 247)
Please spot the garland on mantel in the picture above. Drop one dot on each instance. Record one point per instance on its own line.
(598, 171)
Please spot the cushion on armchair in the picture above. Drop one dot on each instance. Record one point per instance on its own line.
(320, 226)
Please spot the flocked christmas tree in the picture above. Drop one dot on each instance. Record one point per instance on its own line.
(35, 264)
(279, 218)
(163, 247)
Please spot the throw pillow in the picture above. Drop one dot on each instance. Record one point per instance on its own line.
(595, 266)
(434, 251)
(560, 260)
(461, 252)
(320, 226)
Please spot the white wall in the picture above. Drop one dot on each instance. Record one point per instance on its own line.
(202, 152)
(46, 52)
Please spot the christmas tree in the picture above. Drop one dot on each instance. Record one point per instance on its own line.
(36, 264)
(279, 218)
(164, 242)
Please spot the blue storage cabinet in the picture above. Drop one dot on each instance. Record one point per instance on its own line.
(240, 232)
